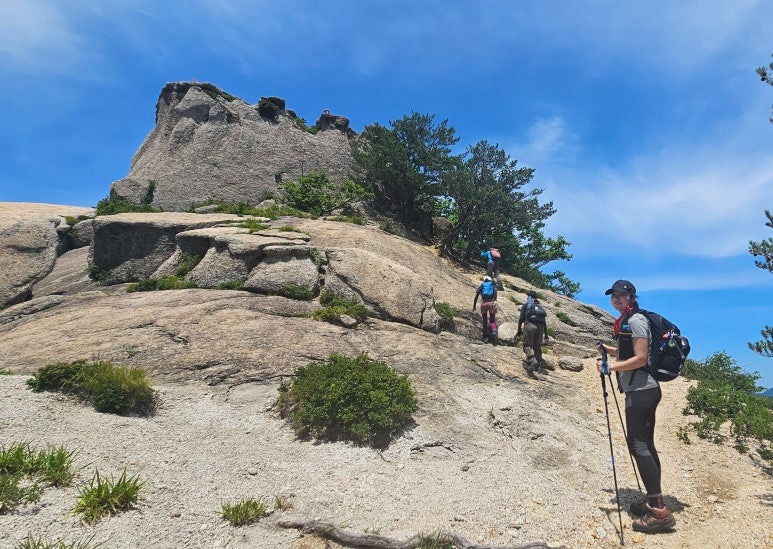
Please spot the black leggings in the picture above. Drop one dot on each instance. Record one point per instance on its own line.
(640, 407)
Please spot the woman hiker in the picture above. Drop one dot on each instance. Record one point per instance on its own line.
(642, 395)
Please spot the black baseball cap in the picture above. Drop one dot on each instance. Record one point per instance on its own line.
(622, 286)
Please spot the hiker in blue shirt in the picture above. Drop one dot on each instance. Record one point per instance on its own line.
(492, 256)
(487, 291)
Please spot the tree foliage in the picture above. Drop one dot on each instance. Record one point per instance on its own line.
(725, 394)
(482, 192)
(764, 249)
(490, 206)
(405, 164)
(766, 75)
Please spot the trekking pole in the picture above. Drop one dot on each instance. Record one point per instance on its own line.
(605, 371)
(622, 426)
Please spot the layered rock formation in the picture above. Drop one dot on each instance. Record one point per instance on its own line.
(210, 145)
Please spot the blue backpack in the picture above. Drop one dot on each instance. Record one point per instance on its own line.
(488, 288)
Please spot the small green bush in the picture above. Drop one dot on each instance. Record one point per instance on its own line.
(113, 206)
(107, 497)
(446, 316)
(316, 194)
(254, 225)
(563, 317)
(97, 274)
(187, 264)
(171, 282)
(231, 285)
(111, 389)
(725, 394)
(353, 219)
(246, 511)
(359, 399)
(5, 372)
(296, 291)
(388, 226)
(333, 306)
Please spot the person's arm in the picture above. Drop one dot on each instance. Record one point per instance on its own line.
(639, 358)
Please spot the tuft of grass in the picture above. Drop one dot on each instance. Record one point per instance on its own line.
(388, 226)
(246, 511)
(15, 492)
(111, 389)
(296, 291)
(5, 372)
(282, 503)
(37, 542)
(563, 317)
(157, 284)
(354, 219)
(435, 541)
(231, 285)
(254, 225)
(106, 497)
(683, 435)
(188, 263)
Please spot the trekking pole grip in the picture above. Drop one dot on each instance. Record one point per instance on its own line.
(604, 361)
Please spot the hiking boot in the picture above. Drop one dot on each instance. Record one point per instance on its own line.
(639, 507)
(654, 520)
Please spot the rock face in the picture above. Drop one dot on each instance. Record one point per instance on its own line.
(208, 144)
(31, 238)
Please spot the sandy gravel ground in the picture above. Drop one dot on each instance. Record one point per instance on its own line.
(209, 446)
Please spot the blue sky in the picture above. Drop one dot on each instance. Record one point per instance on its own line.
(644, 121)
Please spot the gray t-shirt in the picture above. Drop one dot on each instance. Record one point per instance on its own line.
(638, 380)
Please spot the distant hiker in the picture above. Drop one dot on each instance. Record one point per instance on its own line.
(533, 325)
(492, 257)
(487, 291)
(642, 395)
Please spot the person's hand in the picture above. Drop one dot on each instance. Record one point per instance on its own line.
(598, 364)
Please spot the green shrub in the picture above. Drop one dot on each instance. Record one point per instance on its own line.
(187, 263)
(61, 376)
(111, 389)
(316, 194)
(5, 372)
(113, 206)
(359, 399)
(353, 219)
(231, 285)
(97, 274)
(563, 317)
(296, 291)
(254, 225)
(388, 226)
(246, 511)
(171, 282)
(446, 316)
(333, 306)
(724, 394)
(107, 497)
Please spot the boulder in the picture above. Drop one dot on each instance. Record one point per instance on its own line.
(81, 234)
(389, 289)
(28, 250)
(283, 266)
(208, 144)
(571, 363)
